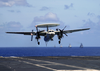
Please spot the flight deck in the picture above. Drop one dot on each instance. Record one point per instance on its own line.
(50, 63)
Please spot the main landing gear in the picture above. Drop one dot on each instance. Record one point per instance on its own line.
(38, 43)
(59, 42)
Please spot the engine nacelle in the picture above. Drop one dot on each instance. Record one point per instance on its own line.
(37, 37)
(60, 36)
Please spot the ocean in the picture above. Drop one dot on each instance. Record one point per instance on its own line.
(49, 51)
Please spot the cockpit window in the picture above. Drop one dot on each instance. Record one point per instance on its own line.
(51, 31)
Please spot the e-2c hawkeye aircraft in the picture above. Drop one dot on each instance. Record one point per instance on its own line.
(49, 34)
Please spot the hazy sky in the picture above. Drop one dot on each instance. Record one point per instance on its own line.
(23, 15)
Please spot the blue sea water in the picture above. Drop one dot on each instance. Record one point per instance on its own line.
(49, 51)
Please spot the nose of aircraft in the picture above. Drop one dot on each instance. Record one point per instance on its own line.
(52, 33)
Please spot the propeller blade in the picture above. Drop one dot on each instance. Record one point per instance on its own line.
(64, 28)
(41, 31)
(37, 29)
(32, 35)
(60, 29)
(65, 34)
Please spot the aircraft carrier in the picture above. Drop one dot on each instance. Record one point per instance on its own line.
(50, 63)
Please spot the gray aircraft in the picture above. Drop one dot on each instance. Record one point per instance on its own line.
(49, 34)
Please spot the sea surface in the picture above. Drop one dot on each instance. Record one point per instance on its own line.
(49, 51)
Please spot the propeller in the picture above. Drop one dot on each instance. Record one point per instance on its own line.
(32, 35)
(62, 32)
(38, 33)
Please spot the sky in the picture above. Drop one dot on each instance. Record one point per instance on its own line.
(23, 15)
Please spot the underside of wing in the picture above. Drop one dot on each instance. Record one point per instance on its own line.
(76, 30)
(27, 33)
(24, 33)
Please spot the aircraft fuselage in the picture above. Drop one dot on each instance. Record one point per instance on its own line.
(49, 36)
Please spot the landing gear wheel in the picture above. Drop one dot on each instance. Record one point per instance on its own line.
(38, 43)
(59, 42)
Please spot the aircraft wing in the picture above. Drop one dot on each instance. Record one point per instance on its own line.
(27, 33)
(71, 31)
(24, 33)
